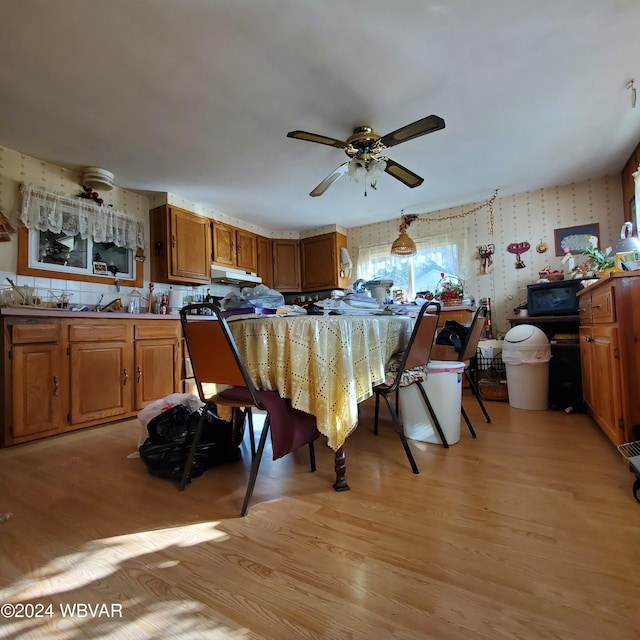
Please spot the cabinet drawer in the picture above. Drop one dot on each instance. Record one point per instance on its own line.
(163, 329)
(34, 333)
(602, 306)
(584, 309)
(95, 332)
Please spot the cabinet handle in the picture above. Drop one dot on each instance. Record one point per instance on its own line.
(55, 385)
(588, 339)
(125, 377)
(139, 374)
(596, 306)
(173, 241)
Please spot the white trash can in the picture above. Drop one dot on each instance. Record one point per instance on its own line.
(526, 354)
(444, 388)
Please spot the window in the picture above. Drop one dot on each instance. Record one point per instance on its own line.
(51, 251)
(444, 253)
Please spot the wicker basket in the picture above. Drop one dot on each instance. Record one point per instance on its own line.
(445, 286)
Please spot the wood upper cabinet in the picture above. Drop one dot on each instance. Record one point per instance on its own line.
(286, 265)
(37, 386)
(628, 188)
(610, 354)
(320, 262)
(265, 260)
(234, 247)
(180, 246)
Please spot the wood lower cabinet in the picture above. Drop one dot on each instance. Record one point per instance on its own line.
(65, 374)
(180, 246)
(158, 361)
(320, 262)
(286, 265)
(37, 383)
(610, 355)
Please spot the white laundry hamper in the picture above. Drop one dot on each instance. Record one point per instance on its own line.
(444, 389)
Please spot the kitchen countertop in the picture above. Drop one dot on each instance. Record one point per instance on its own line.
(92, 315)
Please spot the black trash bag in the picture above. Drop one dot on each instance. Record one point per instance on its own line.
(171, 433)
(452, 334)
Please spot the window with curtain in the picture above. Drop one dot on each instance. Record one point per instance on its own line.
(446, 253)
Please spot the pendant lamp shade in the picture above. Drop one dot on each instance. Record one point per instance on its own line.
(403, 245)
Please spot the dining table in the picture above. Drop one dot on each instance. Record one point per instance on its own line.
(325, 365)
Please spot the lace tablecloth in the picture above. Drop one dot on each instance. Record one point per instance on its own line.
(326, 365)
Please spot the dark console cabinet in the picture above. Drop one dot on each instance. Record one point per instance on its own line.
(565, 380)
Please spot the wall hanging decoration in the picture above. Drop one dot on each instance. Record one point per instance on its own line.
(576, 239)
(518, 248)
(404, 246)
(542, 247)
(486, 252)
(6, 228)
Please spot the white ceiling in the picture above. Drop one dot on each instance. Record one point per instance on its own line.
(195, 97)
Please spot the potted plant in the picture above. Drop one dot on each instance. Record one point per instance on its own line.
(598, 262)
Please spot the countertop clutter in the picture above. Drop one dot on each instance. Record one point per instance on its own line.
(95, 315)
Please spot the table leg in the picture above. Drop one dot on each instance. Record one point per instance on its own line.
(341, 471)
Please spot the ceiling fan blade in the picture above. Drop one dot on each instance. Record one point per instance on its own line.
(314, 137)
(415, 130)
(330, 179)
(403, 174)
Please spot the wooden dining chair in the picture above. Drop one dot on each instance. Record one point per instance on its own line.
(410, 367)
(467, 352)
(215, 359)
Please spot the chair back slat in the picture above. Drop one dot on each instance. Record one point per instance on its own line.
(470, 345)
(418, 349)
(212, 349)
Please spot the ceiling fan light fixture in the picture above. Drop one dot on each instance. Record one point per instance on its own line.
(403, 245)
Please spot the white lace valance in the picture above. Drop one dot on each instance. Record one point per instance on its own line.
(47, 211)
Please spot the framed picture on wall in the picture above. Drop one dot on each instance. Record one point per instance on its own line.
(575, 238)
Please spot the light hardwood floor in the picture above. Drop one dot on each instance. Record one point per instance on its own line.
(529, 532)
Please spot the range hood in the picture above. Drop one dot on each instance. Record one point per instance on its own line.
(225, 275)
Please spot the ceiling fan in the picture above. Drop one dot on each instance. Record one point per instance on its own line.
(366, 148)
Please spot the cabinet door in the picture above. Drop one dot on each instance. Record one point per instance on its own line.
(101, 380)
(320, 262)
(265, 261)
(605, 383)
(246, 250)
(190, 247)
(156, 370)
(38, 386)
(286, 265)
(224, 244)
(586, 365)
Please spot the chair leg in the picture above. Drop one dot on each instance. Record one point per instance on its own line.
(312, 456)
(466, 419)
(375, 416)
(252, 437)
(186, 472)
(432, 413)
(400, 432)
(255, 465)
(476, 393)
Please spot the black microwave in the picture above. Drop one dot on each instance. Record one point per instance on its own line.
(553, 298)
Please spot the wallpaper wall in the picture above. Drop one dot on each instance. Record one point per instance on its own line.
(531, 217)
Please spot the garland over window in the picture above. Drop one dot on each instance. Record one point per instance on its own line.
(47, 211)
